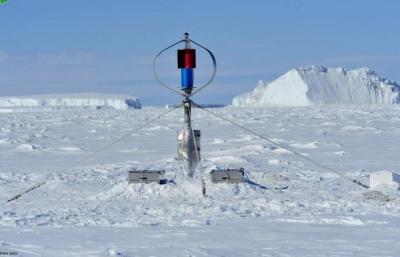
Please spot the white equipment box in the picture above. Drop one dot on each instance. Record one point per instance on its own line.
(384, 178)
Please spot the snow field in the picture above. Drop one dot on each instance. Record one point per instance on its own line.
(95, 198)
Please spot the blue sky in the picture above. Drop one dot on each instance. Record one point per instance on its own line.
(59, 46)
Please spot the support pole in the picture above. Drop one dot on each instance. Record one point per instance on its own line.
(189, 147)
(188, 139)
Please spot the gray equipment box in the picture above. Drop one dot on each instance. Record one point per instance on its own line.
(227, 175)
(145, 176)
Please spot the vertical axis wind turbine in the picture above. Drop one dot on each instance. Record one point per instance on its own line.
(188, 139)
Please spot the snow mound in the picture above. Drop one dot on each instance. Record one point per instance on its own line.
(317, 85)
(118, 102)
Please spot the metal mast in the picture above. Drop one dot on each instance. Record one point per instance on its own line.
(188, 151)
(188, 139)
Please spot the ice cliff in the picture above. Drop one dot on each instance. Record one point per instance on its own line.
(118, 102)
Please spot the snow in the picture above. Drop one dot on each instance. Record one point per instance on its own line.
(90, 209)
(117, 102)
(317, 85)
(259, 237)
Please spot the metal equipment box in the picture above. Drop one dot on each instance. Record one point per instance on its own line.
(227, 175)
(145, 176)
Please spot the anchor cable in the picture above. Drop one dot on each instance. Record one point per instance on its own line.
(284, 146)
(84, 160)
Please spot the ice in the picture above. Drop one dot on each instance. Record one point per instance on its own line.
(280, 151)
(91, 210)
(316, 85)
(117, 102)
(310, 145)
(28, 147)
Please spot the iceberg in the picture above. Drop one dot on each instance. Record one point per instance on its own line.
(118, 102)
(318, 85)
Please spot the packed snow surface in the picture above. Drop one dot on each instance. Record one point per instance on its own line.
(118, 102)
(89, 209)
(317, 85)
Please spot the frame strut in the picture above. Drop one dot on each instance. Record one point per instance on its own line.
(186, 40)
